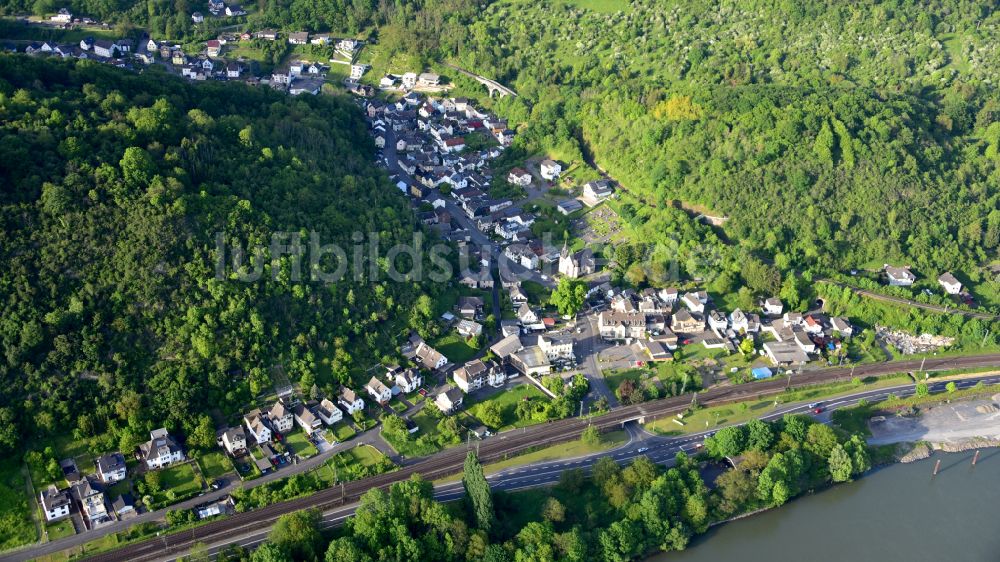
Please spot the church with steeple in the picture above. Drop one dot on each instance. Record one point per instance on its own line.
(576, 264)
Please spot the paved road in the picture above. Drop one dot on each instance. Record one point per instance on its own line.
(659, 449)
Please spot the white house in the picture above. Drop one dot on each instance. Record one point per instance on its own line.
(773, 307)
(556, 347)
(526, 315)
(899, 276)
(329, 412)
(471, 376)
(519, 176)
(951, 285)
(281, 418)
(550, 169)
(409, 380)
(161, 450)
(350, 400)
(64, 16)
(598, 189)
(234, 440)
(409, 80)
(449, 400)
(693, 303)
(379, 391)
(111, 467)
(469, 328)
(55, 503)
(256, 426)
(196, 17)
(358, 70)
(430, 358)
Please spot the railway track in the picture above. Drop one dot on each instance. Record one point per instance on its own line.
(450, 461)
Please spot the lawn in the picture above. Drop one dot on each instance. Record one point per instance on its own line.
(60, 529)
(15, 511)
(343, 431)
(119, 488)
(455, 348)
(507, 401)
(298, 443)
(180, 479)
(362, 456)
(214, 465)
(397, 406)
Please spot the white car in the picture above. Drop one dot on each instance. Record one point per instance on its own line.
(642, 449)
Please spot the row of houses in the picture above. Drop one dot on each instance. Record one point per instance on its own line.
(86, 494)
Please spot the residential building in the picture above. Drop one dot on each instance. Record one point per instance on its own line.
(258, 429)
(951, 285)
(409, 80)
(234, 440)
(213, 48)
(111, 467)
(450, 400)
(306, 419)
(519, 176)
(429, 358)
(379, 391)
(899, 276)
(161, 450)
(469, 328)
(469, 306)
(618, 325)
(63, 16)
(550, 169)
(90, 495)
(598, 189)
(234, 10)
(717, 321)
(350, 401)
(693, 303)
(773, 307)
(684, 321)
(281, 418)
(471, 376)
(841, 325)
(329, 412)
(55, 503)
(196, 17)
(409, 380)
(526, 315)
(428, 79)
(556, 346)
(124, 506)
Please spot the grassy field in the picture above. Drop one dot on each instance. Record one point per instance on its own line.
(507, 401)
(365, 455)
(455, 348)
(180, 479)
(342, 431)
(214, 465)
(745, 411)
(298, 443)
(60, 529)
(567, 450)
(16, 526)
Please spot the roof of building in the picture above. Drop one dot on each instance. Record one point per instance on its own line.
(532, 357)
(110, 462)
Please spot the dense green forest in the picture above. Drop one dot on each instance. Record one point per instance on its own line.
(617, 514)
(113, 189)
(833, 135)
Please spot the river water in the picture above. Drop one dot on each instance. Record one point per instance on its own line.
(897, 513)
